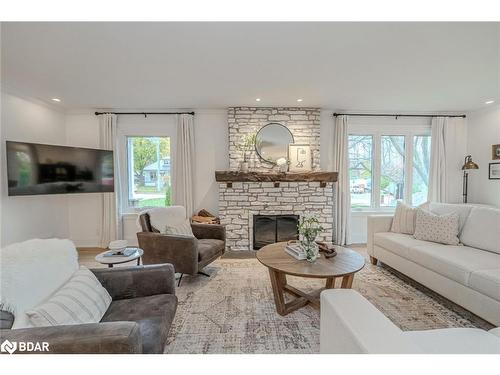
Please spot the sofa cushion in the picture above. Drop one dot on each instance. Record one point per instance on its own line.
(462, 210)
(441, 229)
(454, 262)
(154, 314)
(161, 217)
(396, 243)
(482, 229)
(37, 267)
(456, 341)
(486, 282)
(183, 229)
(81, 300)
(404, 219)
(209, 248)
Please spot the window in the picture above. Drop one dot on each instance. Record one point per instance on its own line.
(421, 157)
(392, 177)
(360, 170)
(149, 181)
(385, 167)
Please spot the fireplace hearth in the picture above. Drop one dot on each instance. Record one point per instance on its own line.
(268, 229)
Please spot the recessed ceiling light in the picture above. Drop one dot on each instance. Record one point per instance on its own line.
(56, 100)
(299, 100)
(489, 102)
(257, 100)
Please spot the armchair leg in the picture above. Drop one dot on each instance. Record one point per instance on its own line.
(203, 273)
(179, 282)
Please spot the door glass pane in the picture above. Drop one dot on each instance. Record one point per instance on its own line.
(392, 164)
(149, 170)
(360, 170)
(421, 157)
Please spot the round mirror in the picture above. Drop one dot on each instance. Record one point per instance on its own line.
(272, 142)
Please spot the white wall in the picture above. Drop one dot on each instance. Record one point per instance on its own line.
(484, 131)
(211, 144)
(25, 217)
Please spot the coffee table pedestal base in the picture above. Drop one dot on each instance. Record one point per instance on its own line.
(280, 286)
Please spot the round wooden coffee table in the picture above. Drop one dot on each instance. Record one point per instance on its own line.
(344, 265)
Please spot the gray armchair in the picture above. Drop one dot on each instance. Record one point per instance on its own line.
(137, 321)
(188, 255)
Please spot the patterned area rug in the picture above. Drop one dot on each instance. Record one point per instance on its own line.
(233, 311)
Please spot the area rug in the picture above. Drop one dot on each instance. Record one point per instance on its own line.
(233, 311)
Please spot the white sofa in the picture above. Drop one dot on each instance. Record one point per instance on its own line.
(352, 325)
(468, 275)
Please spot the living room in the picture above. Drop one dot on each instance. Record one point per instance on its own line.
(250, 188)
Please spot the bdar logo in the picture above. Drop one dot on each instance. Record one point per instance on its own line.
(8, 346)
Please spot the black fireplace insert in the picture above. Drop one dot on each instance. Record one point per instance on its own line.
(268, 229)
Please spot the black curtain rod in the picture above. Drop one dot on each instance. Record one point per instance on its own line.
(392, 115)
(145, 113)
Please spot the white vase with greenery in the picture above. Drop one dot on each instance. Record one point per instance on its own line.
(246, 145)
(309, 227)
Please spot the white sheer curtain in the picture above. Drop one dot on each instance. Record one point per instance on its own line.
(183, 179)
(342, 193)
(448, 149)
(110, 222)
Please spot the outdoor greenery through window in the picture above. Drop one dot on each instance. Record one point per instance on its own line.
(392, 176)
(149, 171)
(385, 168)
(421, 163)
(360, 170)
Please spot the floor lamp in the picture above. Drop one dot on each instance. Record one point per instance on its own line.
(468, 165)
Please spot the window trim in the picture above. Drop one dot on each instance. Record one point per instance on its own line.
(409, 132)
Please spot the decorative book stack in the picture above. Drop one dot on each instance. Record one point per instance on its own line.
(295, 250)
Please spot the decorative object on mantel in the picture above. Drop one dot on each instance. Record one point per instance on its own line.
(494, 171)
(205, 217)
(247, 144)
(495, 152)
(282, 164)
(236, 176)
(272, 142)
(300, 157)
(468, 165)
(309, 228)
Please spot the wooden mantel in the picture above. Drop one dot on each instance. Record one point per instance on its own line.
(236, 176)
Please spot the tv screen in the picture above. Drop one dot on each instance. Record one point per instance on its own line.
(34, 169)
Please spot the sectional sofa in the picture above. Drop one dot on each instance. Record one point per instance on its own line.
(468, 274)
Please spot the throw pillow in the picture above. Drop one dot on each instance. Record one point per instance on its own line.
(81, 300)
(404, 219)
(441, 229)
(183, 229)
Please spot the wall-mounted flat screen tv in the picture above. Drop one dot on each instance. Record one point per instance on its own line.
(34, 169)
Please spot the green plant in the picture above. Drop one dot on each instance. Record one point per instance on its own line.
(309, 227)
(168, 196)
(246, 144)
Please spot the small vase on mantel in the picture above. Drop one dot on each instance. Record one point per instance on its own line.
(244, 166)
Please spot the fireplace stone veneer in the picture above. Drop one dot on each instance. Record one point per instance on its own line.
(240, 201)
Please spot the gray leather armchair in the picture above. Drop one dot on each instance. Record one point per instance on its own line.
(188, 255)
(137, 321)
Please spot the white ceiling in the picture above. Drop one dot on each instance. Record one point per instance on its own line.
(362, 66)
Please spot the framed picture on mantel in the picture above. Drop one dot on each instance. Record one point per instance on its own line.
(300, 157)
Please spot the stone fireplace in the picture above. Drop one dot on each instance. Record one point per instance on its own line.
(268, 229)
(244, 196)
